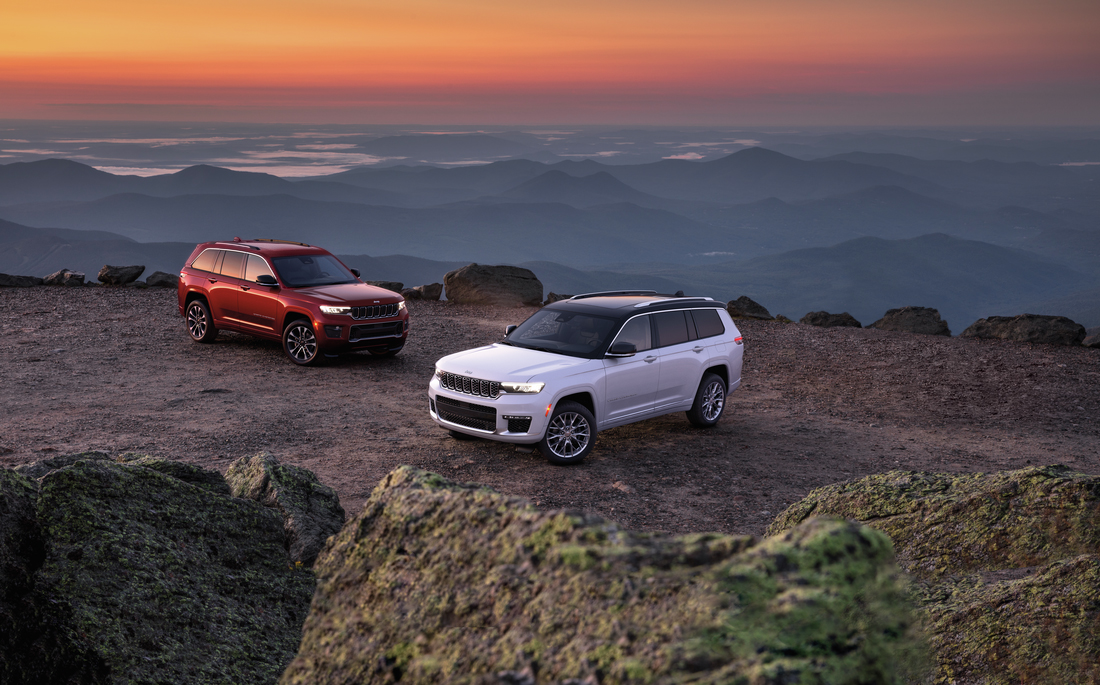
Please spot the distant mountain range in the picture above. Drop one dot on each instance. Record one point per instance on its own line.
(850, 232)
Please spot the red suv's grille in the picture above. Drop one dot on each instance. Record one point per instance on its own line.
(378, 311)
(469, 386)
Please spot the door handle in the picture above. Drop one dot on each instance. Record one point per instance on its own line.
(698, 349)
(649, 360)
(245, 287)
(212, 280)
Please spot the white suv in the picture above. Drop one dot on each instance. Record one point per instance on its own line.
(590, 363)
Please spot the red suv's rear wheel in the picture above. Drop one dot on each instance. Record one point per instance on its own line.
(300, 342)
(199, 322)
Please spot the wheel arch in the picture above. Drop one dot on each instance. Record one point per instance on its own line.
(193, 295)
(583, 398)
(294, 315)
(722, 371)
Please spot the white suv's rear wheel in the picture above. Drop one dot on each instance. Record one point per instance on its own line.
(710, 401)
(570, 434)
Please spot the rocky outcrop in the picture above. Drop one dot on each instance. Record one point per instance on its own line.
(311, 512)
(1030, 328)
(119, 275)
(145, 570)
(1092, 338)
(412, 294)
(745, 308)
(1007, 565)
(9, 281)
(555, 297)
(64, 277)
(440, 582)
(395, 286)
(430, 291)
(924, 320)
(159, 279)
(493, 285)
(827, 320)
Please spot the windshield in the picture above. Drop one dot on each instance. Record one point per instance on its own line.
(300, 271)
(577, 335)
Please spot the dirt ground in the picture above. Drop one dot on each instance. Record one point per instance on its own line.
(113, 369)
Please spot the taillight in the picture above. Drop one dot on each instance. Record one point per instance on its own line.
(738, 340)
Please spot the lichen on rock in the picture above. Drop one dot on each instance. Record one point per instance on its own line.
(442, 582)
(1007, 565)
(311, 512)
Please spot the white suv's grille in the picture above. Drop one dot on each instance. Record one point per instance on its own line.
(469, 386)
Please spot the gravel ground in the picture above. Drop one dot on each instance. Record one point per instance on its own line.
(113, 369)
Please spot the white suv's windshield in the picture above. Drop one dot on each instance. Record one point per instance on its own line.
(316, 269)
(571, 333)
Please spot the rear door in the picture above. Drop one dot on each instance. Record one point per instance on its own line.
(224, 286)
(257, 303)
(681, 359)
(631, 382)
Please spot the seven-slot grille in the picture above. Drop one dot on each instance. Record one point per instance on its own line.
(378, 311)
(466, 413)
(469, 386)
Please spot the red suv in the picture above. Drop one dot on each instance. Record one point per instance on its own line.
(288, 291)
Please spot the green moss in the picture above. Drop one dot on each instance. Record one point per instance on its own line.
(471, 584)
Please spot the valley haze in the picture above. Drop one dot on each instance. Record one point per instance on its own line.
(973, 222)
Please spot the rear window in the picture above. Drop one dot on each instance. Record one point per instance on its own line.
(233, 264)
(672, 328)
(207, 261)
(707, 322)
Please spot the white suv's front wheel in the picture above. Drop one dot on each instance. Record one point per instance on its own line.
(570, 434)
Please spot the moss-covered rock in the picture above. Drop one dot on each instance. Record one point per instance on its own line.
(1008, 565)
(440, 582)
(36, 470)
(311, 512)
(35, 648)
(169, 581)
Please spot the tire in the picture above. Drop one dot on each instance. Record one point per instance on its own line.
(300, 343)
(200, 325)
(570, 435)
(457, 435)
(710, 402)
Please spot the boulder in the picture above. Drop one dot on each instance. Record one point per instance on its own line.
(159, 279)
(493, 285)
(395, 286)
(1092, 338)
(1007, 565)
(745, 308)
(555, 297)
(430, 291)
(64, 277)
(913, 320)
(310, 511)
(1031, 328)
(827, 320)
(38, 469)
(9, 281)
(412, 294)
(167, 581)
(119, 275)
(441, 582)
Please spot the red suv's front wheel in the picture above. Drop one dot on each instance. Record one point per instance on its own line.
(300, 342)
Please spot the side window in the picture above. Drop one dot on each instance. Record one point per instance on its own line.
(672, 328)
(638, 331)
(707, 322)
(207, 261)
(232, 264)
(256, 266)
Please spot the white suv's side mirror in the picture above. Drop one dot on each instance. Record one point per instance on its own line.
(508, 330)
(622, 349)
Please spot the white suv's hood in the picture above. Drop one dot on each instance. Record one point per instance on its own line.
(507, 363)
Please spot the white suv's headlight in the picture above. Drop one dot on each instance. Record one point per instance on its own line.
(522, 388)
(335, 310)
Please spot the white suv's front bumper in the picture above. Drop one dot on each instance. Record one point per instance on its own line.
(504, 418)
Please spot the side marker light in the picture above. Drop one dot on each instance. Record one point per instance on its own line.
(548, 408)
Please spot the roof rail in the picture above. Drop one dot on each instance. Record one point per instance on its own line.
(676, 299)
(275, 240)
(614, 292)
(235, 243)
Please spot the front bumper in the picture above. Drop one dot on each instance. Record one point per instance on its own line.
(515, 418)
(335, 334)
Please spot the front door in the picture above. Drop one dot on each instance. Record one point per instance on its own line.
(631, 382)
(257, 303)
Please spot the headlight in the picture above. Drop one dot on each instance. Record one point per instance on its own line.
(335, 310)
(439, 372)
(522, 388)
(400, 305)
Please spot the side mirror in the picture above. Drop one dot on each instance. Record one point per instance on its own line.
(355, 272)
(508, 329)
(266, 279)
(622, 349)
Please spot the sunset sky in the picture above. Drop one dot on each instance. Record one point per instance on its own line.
(690, 62)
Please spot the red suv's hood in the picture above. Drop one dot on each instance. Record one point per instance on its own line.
(349, 293)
